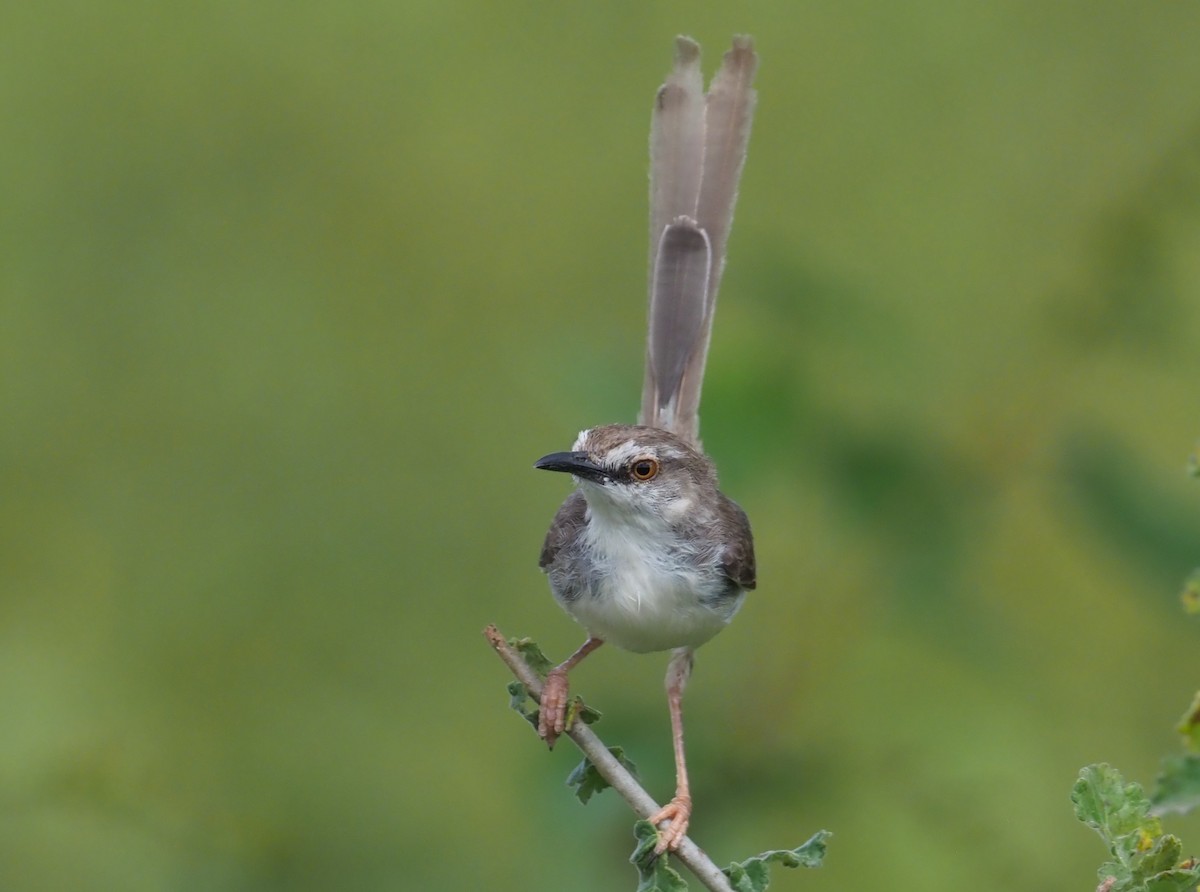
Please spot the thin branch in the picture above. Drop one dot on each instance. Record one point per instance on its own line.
(610, 769)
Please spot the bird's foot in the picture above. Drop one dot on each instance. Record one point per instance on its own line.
(552, 710)
(677, 813)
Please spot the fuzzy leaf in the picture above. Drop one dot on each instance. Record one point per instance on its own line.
(587, 781)
(577, 710)
(1190, 596)
(654, 873)
(753, 874)
(1146, 860)
(1177, 789)
(1189, 725)
(521, 703)
(1119, 812)
(1162, 856)
(1177, 880)
(1118, 873)
(532, 654)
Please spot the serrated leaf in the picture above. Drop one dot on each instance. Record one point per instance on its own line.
(654, 872)
(532, 654)
(1189, 725)
(587, 781)
(1119, 873)
(1177, 880)
(1163, 855)
(1114, 809)
(1190, 596)
(753, 874)
(580, 711)
(1177, 789)
(521, 703)
(646, 836)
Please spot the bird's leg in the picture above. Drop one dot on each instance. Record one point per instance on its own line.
(678, 811)
(552, 708)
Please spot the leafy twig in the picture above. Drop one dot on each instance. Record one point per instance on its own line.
(610, 768)
(1144, 859)
(752, 874)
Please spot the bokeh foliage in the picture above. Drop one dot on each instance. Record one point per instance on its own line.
(292, 296)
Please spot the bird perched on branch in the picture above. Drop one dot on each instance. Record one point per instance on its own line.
(647, 553)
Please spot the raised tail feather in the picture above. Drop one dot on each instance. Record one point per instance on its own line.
(697, 149)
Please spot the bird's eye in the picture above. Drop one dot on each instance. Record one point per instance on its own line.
(644, 469)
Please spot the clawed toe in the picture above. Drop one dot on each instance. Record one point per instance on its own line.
(677, 813)
(552, 709)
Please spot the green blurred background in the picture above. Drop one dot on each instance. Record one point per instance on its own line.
(292, 295)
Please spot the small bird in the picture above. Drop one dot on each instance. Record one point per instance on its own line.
(647, 553)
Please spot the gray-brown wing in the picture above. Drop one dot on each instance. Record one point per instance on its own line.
(737, 559)
(564, 529)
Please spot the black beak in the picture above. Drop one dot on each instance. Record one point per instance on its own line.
(577, 463)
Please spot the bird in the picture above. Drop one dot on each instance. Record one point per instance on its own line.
(647, 553)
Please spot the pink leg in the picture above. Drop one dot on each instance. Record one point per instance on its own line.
(678, 811)
(552, 709)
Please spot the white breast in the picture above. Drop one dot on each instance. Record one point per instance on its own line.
(644, 600)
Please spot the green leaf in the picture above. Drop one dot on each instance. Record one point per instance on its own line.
(753, 874)
(1177, 789)
(1190, 596)
(1119, 812)
(587, 781)
(532, 654)
(1118, 872)
(654, 872)
(1146, 859)
(577, 710)
(1162, 856)
(1189, 725)
(520, 702)
(1177, 880)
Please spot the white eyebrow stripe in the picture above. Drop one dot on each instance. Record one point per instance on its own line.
(626, 452)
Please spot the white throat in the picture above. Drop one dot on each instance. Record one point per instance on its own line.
(650, 595)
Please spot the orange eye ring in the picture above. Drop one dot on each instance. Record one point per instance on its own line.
(643, 469)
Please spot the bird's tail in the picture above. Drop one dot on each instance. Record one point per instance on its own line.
(697, 148)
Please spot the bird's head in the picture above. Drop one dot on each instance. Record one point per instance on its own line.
(636, 471)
